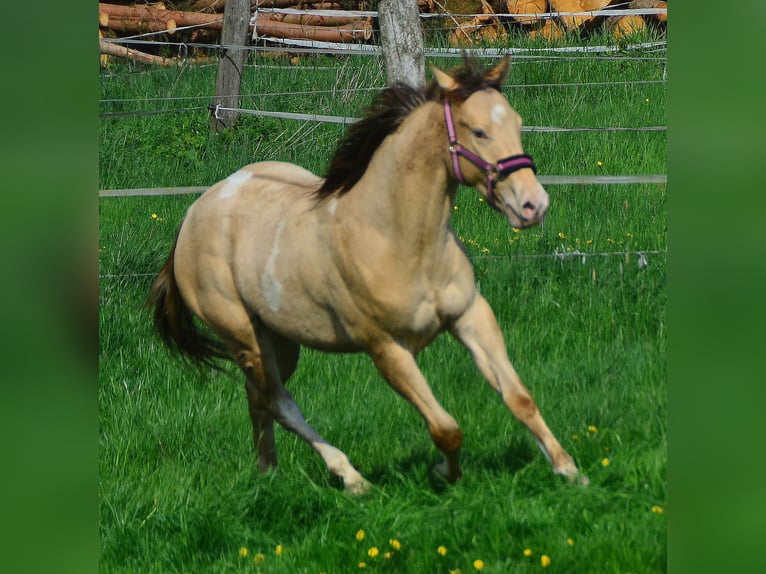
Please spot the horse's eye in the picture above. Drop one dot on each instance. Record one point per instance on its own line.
(480, 133)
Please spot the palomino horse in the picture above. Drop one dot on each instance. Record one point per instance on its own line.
(274, 257)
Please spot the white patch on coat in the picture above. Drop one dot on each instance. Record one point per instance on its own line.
(332, 205)
(233, 184)
(497, 114)
(271, 287)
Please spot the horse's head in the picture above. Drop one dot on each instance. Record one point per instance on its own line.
(484, 138)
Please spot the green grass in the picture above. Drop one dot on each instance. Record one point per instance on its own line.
(179, 489)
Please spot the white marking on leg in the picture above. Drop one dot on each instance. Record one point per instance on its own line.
(336, 460)
(233, 184)
(497, 114)
(272, 288)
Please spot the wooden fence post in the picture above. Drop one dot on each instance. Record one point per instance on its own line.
(232, 57)
(401, 38)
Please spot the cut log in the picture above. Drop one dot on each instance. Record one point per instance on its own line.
(575, 22)
(527, 7)
(625, 26)
(548, 29)
(209, 5)
(218, 6)
(266, 25)
(639, 4)
(112, 49)
(485, 27)
(313, 20)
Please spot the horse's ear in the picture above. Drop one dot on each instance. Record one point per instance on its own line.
(498, 73)
(445, 81)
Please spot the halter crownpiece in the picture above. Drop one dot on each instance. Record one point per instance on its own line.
(502, 168)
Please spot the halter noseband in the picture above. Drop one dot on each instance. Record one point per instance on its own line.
(492, 170)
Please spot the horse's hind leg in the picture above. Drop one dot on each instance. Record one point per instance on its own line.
(286, 353)
(267, 361)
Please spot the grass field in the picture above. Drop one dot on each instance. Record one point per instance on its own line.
(179, 490)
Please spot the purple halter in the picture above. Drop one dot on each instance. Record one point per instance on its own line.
(492, 170)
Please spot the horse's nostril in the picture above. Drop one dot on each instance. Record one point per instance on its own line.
(529, 206)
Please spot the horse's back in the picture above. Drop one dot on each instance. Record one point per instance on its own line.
(263, 178)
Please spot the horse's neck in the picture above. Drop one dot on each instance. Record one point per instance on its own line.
(405, 190)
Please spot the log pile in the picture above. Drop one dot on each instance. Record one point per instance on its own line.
(540, 18)
(201, 21)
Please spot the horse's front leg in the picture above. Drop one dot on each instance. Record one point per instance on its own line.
(478, 330)
(397, 365)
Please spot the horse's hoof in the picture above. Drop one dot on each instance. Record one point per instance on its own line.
(573, 475)
(358, 488)
(442, 471)
(580, 479)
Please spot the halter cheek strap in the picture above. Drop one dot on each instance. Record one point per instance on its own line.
(492, 170)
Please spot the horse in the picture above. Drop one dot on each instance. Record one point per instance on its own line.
(364, 259)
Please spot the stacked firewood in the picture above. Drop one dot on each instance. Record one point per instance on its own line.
(141, 19)
(540, 18)
(201, 21)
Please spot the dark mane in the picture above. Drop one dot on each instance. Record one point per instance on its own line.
(385, 114)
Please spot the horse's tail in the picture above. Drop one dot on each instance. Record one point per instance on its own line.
(174, 321)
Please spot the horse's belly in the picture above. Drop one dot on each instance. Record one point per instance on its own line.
(313, 328)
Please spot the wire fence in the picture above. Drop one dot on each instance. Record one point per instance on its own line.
(641, 260)
(651, 52)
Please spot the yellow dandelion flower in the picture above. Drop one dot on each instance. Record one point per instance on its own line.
(570, 541)
(589, 242)
(545, 561)
(658, 509)
(600, 163)
(373, 552)
(647, 100)
(562, 235)
(455, 571)
(278, 550)
(154, 216)
(395, 544)
(258, 558)
(243, 552)
(442, 550)
(360, 535)
(481, 199)
(455, 208)
(478, 564)
(527, 552)
(388, 555)
(604, 462)
(592, 428)
(575, 437)
(515, 230)
(362, 565)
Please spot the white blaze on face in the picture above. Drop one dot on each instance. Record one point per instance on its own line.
(271, 287)
(497, 114)
(233, 183)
